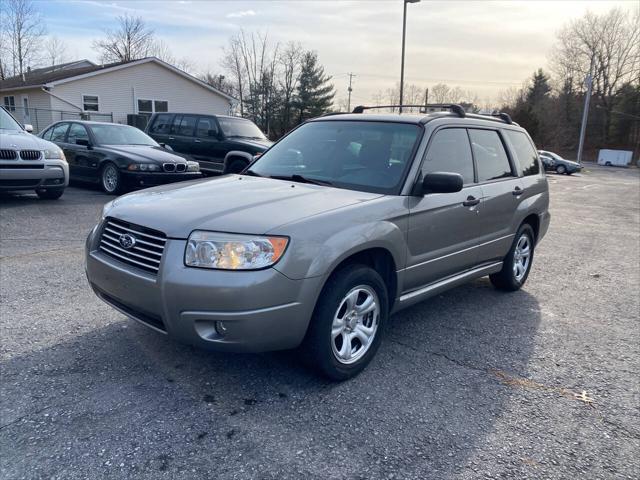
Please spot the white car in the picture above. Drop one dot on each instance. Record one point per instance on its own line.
(28, 162)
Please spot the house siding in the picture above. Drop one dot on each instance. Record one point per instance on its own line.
(119, 90)
(39, 114)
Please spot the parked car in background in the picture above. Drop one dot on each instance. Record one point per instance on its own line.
(28, 162)
(118, 157)
(555, 163)
(221, 144)
(345, 220)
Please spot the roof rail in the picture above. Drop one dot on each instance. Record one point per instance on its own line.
(457, 109)
(504, 116)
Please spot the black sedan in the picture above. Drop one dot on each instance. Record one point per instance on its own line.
(555, 163)
(118, 157)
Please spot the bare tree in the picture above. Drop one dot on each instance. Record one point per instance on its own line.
(160, 49)
(130, 41)
(290, 62)
(23, 29)
(232, 62)
(55, 51)
(608, 45)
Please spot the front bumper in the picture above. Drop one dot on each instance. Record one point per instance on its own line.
(260, 310)
(33, 174)
(152, 179)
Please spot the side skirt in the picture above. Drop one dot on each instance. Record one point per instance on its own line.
(415, 296)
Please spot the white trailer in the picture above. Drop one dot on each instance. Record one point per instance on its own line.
(618, 158)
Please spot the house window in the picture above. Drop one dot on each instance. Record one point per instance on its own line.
(10, 103)
(148, 107)
(90, 103)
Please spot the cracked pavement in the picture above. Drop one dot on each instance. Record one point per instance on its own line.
(474, 383)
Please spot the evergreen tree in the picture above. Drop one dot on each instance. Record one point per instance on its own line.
(314, 94)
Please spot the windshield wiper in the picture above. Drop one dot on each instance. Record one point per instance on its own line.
(251, 173)
(302, 179)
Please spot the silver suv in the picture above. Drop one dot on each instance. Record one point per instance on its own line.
(343, 222)
(28, 162)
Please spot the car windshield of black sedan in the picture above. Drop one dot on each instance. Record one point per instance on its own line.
(240, 128)
(120, 135)
(356, 155)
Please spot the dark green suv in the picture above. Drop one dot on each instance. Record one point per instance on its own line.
(219, 143)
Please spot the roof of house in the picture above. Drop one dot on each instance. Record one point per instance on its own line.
(51, 76)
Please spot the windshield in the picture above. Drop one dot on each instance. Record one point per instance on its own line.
(357, 155)
(239, 127)
(120, 135)
(7, 122)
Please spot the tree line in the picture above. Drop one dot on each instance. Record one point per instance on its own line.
(550, 104)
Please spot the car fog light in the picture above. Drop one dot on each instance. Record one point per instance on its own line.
(221, 328)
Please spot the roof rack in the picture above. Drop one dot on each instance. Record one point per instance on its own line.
(455, 108)
(504, 116)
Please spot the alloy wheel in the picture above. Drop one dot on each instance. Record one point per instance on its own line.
(110, 178)
(522, 257)
(355, 324)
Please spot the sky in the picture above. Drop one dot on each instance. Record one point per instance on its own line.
(482, 46)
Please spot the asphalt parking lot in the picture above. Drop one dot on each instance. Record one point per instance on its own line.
(542, 383)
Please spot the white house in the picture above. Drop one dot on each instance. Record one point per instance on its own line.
(110, 92)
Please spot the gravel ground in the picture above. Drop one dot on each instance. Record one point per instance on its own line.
(542, 383)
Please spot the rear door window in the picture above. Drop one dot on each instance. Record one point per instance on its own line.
(77, 132)
(524, 152)
(161, 124)
(490, 156)
(184, 125)
(449, 151)
(59, 132)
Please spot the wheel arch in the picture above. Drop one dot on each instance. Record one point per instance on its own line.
(534, 221)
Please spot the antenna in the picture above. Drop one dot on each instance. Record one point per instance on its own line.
(351, 75)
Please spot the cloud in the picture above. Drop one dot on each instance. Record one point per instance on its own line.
(243, 13)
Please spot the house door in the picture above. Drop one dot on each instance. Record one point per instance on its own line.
(26, 115)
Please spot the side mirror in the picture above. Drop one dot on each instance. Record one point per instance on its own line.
(442, 182)
(28, 128)
(84, 142)
(166, 147)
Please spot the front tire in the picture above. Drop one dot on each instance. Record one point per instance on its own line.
(50, 193)
(561, 169)
(110, 179)
(517, 264)
(348, 323)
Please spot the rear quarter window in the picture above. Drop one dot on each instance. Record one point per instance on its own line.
(525, 154)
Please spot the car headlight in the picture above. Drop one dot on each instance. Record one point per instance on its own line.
(227, 251)
(193, 167)
(54, 154)
(144, 167)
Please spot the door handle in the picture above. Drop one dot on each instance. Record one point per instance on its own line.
(197, 141)
(171, 138)
(517, 191)
(471, 201)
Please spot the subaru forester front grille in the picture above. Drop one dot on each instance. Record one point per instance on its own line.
(132, 244)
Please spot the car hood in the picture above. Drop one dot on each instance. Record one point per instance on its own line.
(231, 203)
(20, 140)
(260, 145)
(145, 153)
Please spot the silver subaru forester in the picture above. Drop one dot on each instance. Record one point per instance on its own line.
(346, 220)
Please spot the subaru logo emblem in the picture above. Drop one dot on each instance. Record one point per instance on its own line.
(127, 241)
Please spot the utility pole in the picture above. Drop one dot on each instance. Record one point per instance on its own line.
(404, 34)
(585, 112)
(351, 75)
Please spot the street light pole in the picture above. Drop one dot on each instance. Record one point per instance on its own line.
(585, 112)
(404, 31)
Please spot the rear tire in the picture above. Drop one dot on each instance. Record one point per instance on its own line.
(110, 179)
(517, 264)
(50, 193)
(236, 166)
(353, 307)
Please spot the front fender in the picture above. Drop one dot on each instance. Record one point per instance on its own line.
(321, 256)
